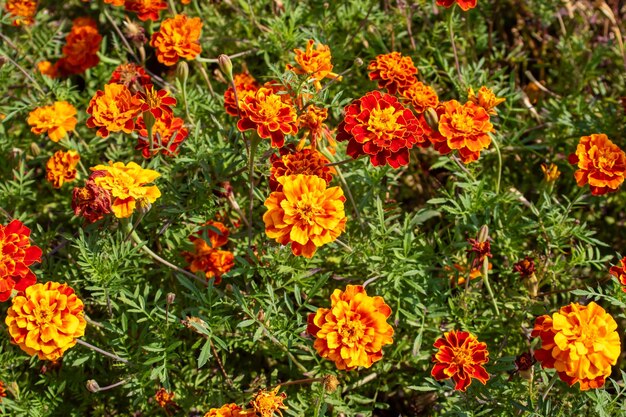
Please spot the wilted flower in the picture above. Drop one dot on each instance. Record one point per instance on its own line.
(246, 85)
(524, 364)
(485, 99)
(267, 402)
(131, 75)
(135, 33)
(113, 110)
(55, 120)
(177, 38)
(145, 9)
(61, 167)
(81, 47)
(460, 357)
(292, 162)
(46, 320)
(550, 172)
(23, 10)
(168, 133)
(619, 271)
(16, 255)
(421, 96)
(91, 201)
(525, 267)
(580, 342)
(463, 4)
(393, 71)
(314, 62)
(601, 164)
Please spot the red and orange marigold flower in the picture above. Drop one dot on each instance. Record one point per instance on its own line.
(131, 75)
(207, 257)
(113, 110)
(463, 4)
(314, 62)
(81, 47)
(3, 392)
(168, 133)
(292, 162)
(353, 331)
(460, 357)
(56, 120)
(157, 102)
(91, 201)
(601, 164)
(379, 126)
(311, 121)
(23, 10)
(145, 9)
(177, 38)
(61, 167)
(580, 342)
(393, 71)
(246, 85)
(268, 402)
(619, 272)
(16, 255)
(305, 214)
(46, 320)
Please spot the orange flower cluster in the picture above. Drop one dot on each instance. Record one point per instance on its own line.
(113, 110)
(580, 342)
(267, 402)
(16, 255)
(378, 125)
(81, 48)
(246, 85)
(145, 9)
(314, 63)
(61, 167)
(393, 71)
(292, 162)
(305, 213)
(91, 201)
(177, 38)
(46, 320)
(619, 272)
(601, 164)
(463, 4)
(55, 120)
(353, 330)
(207, 257)
(266, 112)
(460, 357)
(23, 10)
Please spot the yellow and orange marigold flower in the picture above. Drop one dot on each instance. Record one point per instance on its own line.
(463, 4)
(168, 133)
(619, 272)
(61, 167)
(379, 126)
(550, 172)
(16, 255)
(268, 402)
(393, 71)
(91, 201)
(314, 62)
(177, 38)
(305, 213)
(81, 47)
(460, 357)
(485, 99)
(46, 320)
(230, 410)
(601, 164)
(113, 110)
(421, 96)
(353, 331)
(145, 9)
(580, 342)
(266, 113)
(23, 10)
(292, 162)
(55, 120)
(128, 186)
(206, 256)
(246, 85)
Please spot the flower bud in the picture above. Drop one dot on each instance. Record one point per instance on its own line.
(182, 72)
(34, 149)
(432, 118)
(532, 285)
(170, 297)
(483, 234)
(330, 383)
(92, 385)
(226, 66)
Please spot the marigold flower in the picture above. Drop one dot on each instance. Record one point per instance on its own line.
(601, 164)
(115, 2)
(353, 330)
(619, 271)
(378, 125)
(580, 342)
(61, 167)
(206, 256)
(305, 213)
(23, 10)
(177, 38)
(246, 85)
(91, 201)
(145, 9)
(55, 120)
(229, 410)
(524, 364)
(481, 250)
(267, 402)
(127, 185)
(2, 391)
(46, 320)
(463, 4)
(465, 128)
(421, 96)
(113, 110)
(393, 71)
(485, 99)
(292, 162)
(458, 273)
(550, 172)
(131, 75)
(460, 357)
(168, 133)
(312, 122)
(81, 47)
(48, 69)
(315, 63)
(525, 267)
(156, 102)
(16, 255)
(265, 112)
(164, 398)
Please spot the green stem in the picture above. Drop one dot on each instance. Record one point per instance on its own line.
(254, 142)
(318, 405)
(495, 145)
(488, 285)
(456, 55)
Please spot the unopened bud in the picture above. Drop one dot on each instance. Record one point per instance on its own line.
(226, 66)
(92, 385)
(330, 383)
(182, 72)
(483, 234)
(358, 62)
(170, 297)
(432, 118)
(34, 149)
(532, 285)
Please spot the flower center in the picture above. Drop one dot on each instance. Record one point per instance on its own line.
(462, 357)
(307, 211)
(462, 122)
(351, 330)
(43, 315)
(383, 122)
(270, 107)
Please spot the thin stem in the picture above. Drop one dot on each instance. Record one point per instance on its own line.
(117, 384)
(488, 285)
(103, 352)
(19, 67)
(301, 381)
(219, 363)
(456, 55)
(253, 145)
(495, 145)
(320, 399)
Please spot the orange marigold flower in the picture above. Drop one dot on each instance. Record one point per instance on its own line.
(145, 9)
(458, 273)
(315, 63)
(265, 112)
(16, 255)
(46, 320)
(246, 85)
(23, 10)
(115, 2)
(168, 133)
(55, 120)
(113, 110)
(164, 398)
(460, 357)
(267, 402)
(292, 162)
(378, 125)
(206, 256)
(127, 185)
(61, 167)
(550, 172)
(580, 342)
(305, 213)
(312, 121)
(81, 47)
(48, 69)
(229, 410)
(177, 38)
(485, 99)
(353, 330)
(619, 271)
(91, 201)
(463, 4)
(393, 71)
(156, 102)
(421, 96)
(601, 164)
(2, 391)
(466, 129)
(132, 76)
